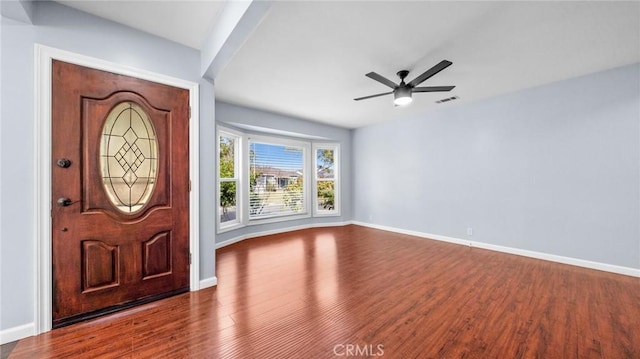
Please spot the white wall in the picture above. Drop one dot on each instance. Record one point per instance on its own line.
(553, 169)
(67, 29)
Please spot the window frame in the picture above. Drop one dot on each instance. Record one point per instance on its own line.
(278, 141)
(238, 179)
(336, 179)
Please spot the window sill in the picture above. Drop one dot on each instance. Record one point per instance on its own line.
(229, 228)
(327, 214)
(259, 221)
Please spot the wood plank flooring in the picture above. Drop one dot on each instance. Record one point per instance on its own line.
(354, 291)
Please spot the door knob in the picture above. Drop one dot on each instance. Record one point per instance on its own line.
(63, 162)
(64, 201)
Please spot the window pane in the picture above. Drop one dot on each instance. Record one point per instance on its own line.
(325, 162)
(327, 179)
(326, 196)
(228, 197)
(227, 157)
(276, 177)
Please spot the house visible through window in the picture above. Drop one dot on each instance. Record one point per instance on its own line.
(276, 179)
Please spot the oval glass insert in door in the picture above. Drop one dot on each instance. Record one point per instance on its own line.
(128, 157)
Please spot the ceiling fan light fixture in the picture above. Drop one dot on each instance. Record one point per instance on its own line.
(402, 96)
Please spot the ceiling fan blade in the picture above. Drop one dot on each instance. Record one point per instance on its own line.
(381, 79)
(372, 96)
(432, 89)
(432, 71)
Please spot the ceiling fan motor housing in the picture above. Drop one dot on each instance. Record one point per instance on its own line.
(402, 74)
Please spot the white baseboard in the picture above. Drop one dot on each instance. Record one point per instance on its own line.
(17, 333)
(278, 231)
(208, 282)
(633, 272)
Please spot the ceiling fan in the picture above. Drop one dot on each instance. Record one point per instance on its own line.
(402, 92)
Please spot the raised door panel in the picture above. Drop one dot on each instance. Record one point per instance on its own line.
(156, 256)
(100, 266)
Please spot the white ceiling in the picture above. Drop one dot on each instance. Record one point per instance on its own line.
(186, 22)
(308, 59)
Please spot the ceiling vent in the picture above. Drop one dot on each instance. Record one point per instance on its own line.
(448, 99)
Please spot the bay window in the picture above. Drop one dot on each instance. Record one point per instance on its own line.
(265, 179)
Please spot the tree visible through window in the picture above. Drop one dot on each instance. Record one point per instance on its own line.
(228, 188)
(326, 194)
(326, 179)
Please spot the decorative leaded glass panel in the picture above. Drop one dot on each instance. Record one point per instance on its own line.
(128, 157)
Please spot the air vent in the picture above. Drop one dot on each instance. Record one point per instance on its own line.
(448, 99)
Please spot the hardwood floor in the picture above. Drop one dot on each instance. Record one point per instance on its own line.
(331, 292)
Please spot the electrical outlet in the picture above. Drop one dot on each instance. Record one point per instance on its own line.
(371, 217)
(469, 231)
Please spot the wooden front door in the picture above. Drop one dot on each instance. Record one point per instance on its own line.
(120, 192)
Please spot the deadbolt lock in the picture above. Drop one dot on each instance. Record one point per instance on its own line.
(63, 162)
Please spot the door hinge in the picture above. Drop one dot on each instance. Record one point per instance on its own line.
(189, 111)
(189, 258)
(189, 185)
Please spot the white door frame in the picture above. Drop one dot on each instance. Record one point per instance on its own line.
(42, 171)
